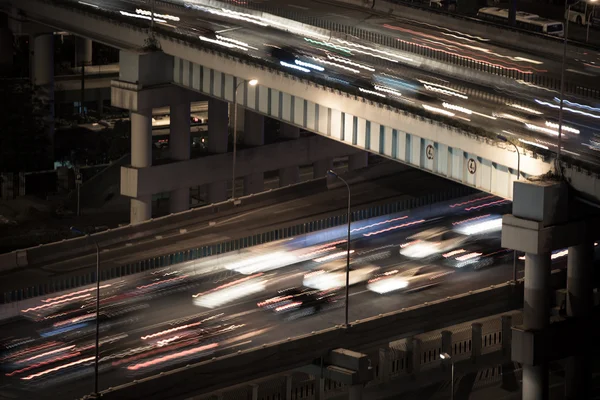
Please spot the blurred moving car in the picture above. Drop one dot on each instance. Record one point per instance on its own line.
(431, 243)
(298, 302)
(407, 279)
(333, 275)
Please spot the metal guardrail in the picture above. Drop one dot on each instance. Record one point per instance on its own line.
(527, 77)
(472, 346)
(169, 259)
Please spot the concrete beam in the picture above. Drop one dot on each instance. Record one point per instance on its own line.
(273, 358)
(217, 168)
(134, 96)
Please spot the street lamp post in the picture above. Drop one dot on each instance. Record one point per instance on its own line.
(332, 173)
(505, 139)
(252, 82)
(97, 358)
(446, 356)
(562, 74)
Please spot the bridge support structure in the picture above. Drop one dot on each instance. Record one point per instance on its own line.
(145, 85)
(543, 220)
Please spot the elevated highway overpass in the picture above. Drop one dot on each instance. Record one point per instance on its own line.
(358, 121)
(443, 146)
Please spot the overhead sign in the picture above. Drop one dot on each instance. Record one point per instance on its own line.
(430, 151)
(472, 166)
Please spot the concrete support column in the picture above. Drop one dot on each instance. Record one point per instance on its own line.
(355, 392)
(289, 176)
(580, 302)
(179, 147)
(254, 183)
(43, 78)
(141, 157)
(506, 334)
(536, 316)
(321, 167)
(447, 342)
(384, 365)
(287, 394)
(218, 126)
(254, 391)
(319, 388)
(289, 131)
(83, 53)
(218, 135)
(6, 45)
(254, 132)
(358, 161)
(413, 347)
(476, 336)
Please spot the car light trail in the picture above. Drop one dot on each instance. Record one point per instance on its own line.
(64, 296)
(163, 16)
(438, 110)
(394, 228)
(288, 65)
(372, 92)
(333, 256)
(128, 14)
(545, 103)
(171, 357)
(83, 296)
(541, 146)
(60, 367)
(309, 65)
(564, 128)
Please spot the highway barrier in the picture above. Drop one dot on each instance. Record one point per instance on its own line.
(166, 260)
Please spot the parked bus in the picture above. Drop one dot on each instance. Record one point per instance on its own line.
(583, 13)
(527, 21)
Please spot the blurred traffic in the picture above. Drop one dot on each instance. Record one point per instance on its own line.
(208, 307)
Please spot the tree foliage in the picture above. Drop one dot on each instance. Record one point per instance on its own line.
(24, 145)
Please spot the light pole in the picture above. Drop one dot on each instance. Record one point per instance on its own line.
(252, 82)
(505, 139)
(97, 358)
(332, 173)
(446, 356)
(562, 73)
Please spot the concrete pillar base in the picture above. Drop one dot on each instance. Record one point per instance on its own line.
(254, 133)
(218, 126)
(321, 167)
(289, 176)
(254, 183)
(355, 392)
(179, 201)
(535, 382)
(141, 209)
(358, 161)
(83, 53)
(216, 192)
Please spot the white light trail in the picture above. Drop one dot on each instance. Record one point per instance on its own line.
(299, 68)
(372, 92)
(445, 91)
(88, 4)
(468, 256)
(481, 227)
(332, 256)
(388, 90)
(234, 41)
(457, 108)
(228, 294)
(545, 103)
(533, 144)
(374, 52)
(529, 60)
(522, 108)
(128, 14)
(163, 16)
(224, 44)
(564, 128)
(309, 65)
(438, 110)
(584, 106)
(336, 65)
(541, 129)
(350, 62)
